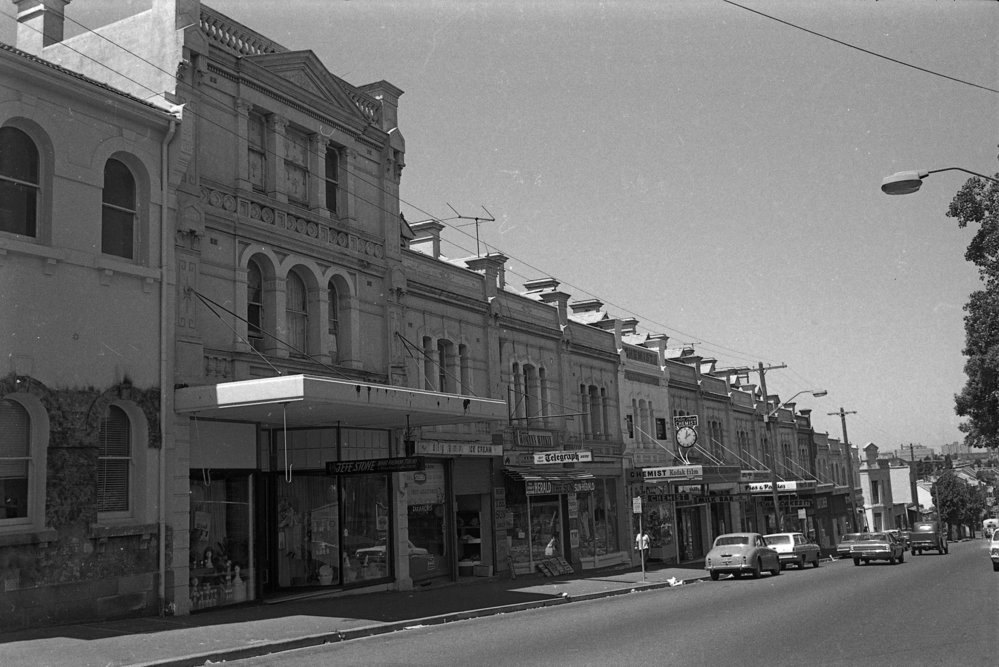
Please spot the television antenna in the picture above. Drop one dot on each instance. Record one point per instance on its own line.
(475, 221)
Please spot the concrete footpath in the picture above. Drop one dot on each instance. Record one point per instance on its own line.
(232, 633)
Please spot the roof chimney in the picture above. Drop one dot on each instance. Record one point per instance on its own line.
(39, 24)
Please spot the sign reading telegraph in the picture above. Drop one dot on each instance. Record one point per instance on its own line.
(543, 458)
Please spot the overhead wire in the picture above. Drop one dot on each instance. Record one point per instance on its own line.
(707, 343)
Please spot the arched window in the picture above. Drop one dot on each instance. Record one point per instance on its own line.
(118, 218)
(254, 305)
(332, 178)
(19, 182)
(15, 460)
(297, 315)
(114, 461)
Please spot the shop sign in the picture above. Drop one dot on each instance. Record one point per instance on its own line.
(685, 421)
(790, 486)
(668, 497)
(365, 466)
(754, 476)
(715, 499)
(791, 503)
(674, 472)
(443, 448)
(535, 439)
(543, 458)
(552, 487)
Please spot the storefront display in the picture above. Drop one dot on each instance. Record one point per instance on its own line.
(221, 552)
(426, 509)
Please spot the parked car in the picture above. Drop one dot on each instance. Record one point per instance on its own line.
(994, 550)
(928, 535)
(793, 549)
(877, 546)
(741, 553)
(843, 548)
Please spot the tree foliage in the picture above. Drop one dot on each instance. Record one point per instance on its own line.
(977, 202)
(951, 498)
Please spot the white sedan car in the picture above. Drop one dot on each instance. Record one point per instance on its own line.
(793, 549)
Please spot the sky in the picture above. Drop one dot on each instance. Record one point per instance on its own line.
(709, 168)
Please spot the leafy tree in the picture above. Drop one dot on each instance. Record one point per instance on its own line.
(950, 496)
(976, 507)
(978, 202)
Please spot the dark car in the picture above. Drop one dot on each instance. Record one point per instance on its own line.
(843, 548)
(877, 546)
(928, 535)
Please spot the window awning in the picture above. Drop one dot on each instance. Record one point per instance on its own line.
(525, 474)
(307, 400)
(548, 482)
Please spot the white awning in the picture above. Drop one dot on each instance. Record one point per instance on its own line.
(305, 400)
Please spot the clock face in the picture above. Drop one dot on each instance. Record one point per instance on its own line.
(686, 436)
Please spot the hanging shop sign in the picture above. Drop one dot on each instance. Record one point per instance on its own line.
(674, 472)
(366, 466)
(532, 439)
(747, 476)
(444, 448)
(551, 487)
(790, 486)
(545, 458)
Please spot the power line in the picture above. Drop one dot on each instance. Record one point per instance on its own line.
(377, 206)
(861, 49)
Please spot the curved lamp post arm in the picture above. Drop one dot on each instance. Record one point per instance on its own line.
(907, 182)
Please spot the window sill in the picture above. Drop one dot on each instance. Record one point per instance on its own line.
(104, 531)
(28, 536)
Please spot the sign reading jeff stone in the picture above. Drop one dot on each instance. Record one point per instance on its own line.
(364, 466)
(562, 457)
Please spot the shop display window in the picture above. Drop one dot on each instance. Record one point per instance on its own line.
(426, 495)
(366, 552)
(598, 529)
(221, 553)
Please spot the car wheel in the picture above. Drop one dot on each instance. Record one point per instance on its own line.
(755, 572)
(856, 561)
(801, 563)
(995, 567)
(901, 557)
(815, 563)
(737, 574)
(776, 570)
(714, 575)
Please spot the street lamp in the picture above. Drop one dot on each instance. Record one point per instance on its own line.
(907, 182)
(769, 419)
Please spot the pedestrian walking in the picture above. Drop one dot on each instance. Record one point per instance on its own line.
(642, 544)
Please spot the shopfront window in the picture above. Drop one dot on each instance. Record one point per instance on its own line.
(598, 527)
(221, 553)
(366, 553)
(426, 495)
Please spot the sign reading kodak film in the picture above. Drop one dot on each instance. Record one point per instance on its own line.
(674, 472)
(543, 458)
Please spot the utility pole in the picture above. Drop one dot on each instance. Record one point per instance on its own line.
(849, 464)
(779, 524)
(913, 489)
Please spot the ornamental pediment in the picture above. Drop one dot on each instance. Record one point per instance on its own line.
(303, 72)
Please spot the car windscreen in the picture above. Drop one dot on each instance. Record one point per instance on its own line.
(873, 537)
(732, 540)
(778, 539)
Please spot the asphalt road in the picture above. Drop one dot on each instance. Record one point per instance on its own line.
(930, 610)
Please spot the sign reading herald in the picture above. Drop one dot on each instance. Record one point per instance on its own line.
(365, 466)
